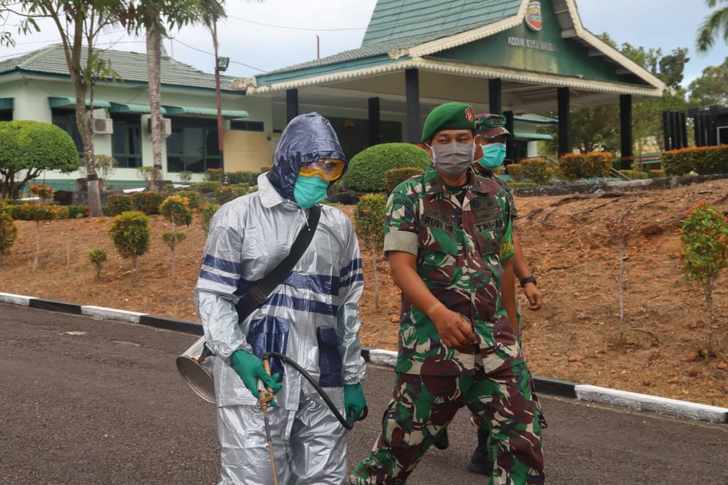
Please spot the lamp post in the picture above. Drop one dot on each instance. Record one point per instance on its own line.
(221, 65)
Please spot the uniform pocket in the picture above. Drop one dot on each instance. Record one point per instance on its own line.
(329, 358)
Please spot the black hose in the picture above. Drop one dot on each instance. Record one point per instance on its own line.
(344, 422)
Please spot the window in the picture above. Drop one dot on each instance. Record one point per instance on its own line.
(66, 120)
(6, 115)
(192, 147)
(247, 125)
(126, 144)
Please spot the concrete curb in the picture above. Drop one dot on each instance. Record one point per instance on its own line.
(644, 402)
(387, 358)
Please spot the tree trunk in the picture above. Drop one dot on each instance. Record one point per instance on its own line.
(154, 59)
(622, 256)
(37, 245)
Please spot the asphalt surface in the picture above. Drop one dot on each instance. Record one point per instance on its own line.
(97, 402)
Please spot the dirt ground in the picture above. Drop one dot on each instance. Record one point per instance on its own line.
(571, 243)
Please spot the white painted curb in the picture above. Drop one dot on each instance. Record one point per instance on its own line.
(15, 299)
(111, 314)
(383, 357)
(645, 402)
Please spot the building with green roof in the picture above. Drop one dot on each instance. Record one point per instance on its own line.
(36, 86)
(511, 56)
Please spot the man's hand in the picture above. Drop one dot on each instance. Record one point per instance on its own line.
(535, 298)
(250, 369)
(454, 329)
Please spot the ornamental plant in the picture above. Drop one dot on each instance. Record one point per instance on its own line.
(586, 165)
(8, 233)
(536, 170)
(370, 215)
(176, 210)
(98, 258)
(43, 191)
(705, 256)
(207, 213)
(130, 233)
(366, 170)
(702, 160)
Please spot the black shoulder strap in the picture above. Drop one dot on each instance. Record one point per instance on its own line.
(257, 293)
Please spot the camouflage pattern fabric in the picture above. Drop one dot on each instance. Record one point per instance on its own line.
(499, 393)
(460, 240)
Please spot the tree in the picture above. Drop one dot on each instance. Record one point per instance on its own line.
(27, 148)
(711, 89)
(714, 23)
(156, 18)
(79, 22)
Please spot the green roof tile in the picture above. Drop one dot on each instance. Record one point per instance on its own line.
(393, 20)
(130, 66)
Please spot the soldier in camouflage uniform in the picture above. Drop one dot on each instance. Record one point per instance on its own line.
(448, 240)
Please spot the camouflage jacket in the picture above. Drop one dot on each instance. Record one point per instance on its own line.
(459, 248)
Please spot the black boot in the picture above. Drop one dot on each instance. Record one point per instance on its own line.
(442, 441)
(481, 462)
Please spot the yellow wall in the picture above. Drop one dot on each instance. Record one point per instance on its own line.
(247, 151)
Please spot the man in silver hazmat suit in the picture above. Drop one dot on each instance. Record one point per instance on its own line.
(312, 317)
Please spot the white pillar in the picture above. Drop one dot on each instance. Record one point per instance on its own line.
(532, 149)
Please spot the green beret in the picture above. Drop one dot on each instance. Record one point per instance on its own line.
(448, 116)
(491, 126)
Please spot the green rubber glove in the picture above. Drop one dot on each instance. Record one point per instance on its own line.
(250, 369)
(354, 402)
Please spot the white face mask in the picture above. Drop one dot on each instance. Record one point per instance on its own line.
(452, 159)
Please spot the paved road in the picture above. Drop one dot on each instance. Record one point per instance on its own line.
(107, 406)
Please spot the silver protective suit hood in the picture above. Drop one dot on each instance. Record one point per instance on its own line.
(307, 138)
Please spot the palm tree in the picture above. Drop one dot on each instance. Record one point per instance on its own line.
(714, 23)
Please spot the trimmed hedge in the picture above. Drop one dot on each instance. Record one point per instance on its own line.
(247, 178)
(370, 216)
(226, 193)
(394, 177)
(702, 160)
(586, 165)
(146, 202)
(193, 198)
(536, 170)
(367, 169)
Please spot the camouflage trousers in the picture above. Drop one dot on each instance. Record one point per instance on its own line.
(424, 405)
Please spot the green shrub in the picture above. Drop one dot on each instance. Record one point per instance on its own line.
(176, 210)
(130, 233)
(586, 165)
(8, 233)
(215, 175)
(522, 185)
(367, 169)
(536, 170)
(206, 187)
(147, 202)
(245, 178)
(370, 217)
(226, 193)
(29, 148)
(193, 198)
(207, 213)
(77, 211)
(116, 204)
(657, 173)
(98, 258)
(394, 177)
(635, 174)
(36, 212)
(702, 160)
(705, 256)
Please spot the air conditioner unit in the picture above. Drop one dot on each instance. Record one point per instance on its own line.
(166, 126)
(103, 126)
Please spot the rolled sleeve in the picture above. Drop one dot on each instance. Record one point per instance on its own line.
(403, 241)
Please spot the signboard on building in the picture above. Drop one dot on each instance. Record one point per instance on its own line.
(534, 18)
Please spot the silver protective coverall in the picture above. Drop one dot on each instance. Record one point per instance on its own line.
(312, 318)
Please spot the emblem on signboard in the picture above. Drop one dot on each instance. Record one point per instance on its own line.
(534, 18)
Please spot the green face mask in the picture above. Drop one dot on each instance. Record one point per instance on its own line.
(309, 191)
